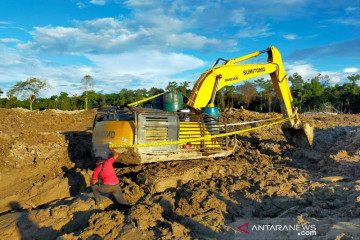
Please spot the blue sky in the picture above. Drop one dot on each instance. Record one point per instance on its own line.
(147, 43)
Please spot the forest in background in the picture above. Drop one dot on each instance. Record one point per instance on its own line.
(315, 94)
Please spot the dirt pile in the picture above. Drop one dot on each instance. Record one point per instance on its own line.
(195, 199)
(42, 154)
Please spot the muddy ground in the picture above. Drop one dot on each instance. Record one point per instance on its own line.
(46, 166)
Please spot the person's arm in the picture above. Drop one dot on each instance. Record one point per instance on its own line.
(95, 175)
(94, 181)
(115, 154)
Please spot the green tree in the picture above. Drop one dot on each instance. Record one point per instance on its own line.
(172, 86)
(94, 99)
(75, 102)
(154, 91)
(296, 81)
(29, 89)
(220, 99)
(248, 91)
(54, 99)
(183, 88)
(297, 84)
(230, 95)
(64, 101)
(126, 96)
(349, 97)
(266, 90)
(87, 83)
(314, 92)
(299, 98)
(324, 80)
(260, 84)
(140, 94)
(12, 102)
(353, 78)
(2, 100)
(113, 99)
(103, 99)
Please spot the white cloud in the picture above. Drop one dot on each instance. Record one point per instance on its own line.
(109, 35)
(80, 5)
(350, 10)
(238, 16)
(145, 62)
(291, 36)
(352, 21)
(141, 3)
(112, 72)
(142, 69)
(335, 77)
(98, 2)
(307, 71)
(57, 32)
(250, 32)
(142, 48)
(9, 40)
(11, 58)
(99, 24)
(351, 70)
(196, 41)
(19, 68)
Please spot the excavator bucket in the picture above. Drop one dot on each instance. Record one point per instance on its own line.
(301, 136)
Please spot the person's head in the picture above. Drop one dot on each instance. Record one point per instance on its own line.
(99, 160)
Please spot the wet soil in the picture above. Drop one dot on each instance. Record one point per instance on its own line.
(47, 164)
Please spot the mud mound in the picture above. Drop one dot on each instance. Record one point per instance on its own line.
(344, 156)
(348, 149)
(42, 154)
(266, 178)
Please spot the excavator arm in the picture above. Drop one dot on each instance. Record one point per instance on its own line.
(219, 76)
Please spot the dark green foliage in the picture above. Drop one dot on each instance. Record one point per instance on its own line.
(182, 87)
(267, 94)
(28, 89)
(353, 78)
(308, 95)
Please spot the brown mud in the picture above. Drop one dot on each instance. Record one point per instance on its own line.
(46, 167)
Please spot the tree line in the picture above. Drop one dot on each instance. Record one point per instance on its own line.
(310, 95)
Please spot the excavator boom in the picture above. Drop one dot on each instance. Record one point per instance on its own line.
(138, 134)
(219, 76)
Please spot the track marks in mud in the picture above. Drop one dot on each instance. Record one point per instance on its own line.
(266, 177)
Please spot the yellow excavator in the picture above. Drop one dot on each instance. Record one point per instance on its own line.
(145, 135)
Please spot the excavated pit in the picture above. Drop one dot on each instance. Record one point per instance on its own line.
(47, 164)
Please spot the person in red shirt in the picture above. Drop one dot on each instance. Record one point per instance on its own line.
(104, 180)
